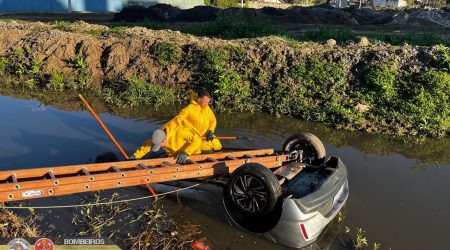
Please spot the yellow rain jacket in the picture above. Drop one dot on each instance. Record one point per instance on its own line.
(200, 120)
(179, 139)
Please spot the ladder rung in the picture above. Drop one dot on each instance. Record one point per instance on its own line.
(85, 172)
(142, 166)
(50, 173)
(166, 163)
(211, 159)
(116, 169)
(14, 178)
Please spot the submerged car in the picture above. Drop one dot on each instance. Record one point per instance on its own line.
(289, 205)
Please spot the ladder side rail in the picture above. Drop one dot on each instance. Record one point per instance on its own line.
(224, 168)
(95, 167)
(132, 173)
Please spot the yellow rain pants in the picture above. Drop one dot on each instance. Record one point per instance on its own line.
(179, 139)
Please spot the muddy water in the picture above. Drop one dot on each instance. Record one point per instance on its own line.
(399, 191)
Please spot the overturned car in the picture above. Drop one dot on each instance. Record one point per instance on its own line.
(289, 205)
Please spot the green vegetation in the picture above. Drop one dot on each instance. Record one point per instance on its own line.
(26, 66)
(239, 26)
(137, 91)
(343, 35)
(223, 4)
(229, 89)
(82, 76)
(166, 53)
(381, 79)
(56, 81)
(62, 25)
(146, 23)
(445, 56)
(234, 26)
(3, 65)
(13, 225)
(146, 226)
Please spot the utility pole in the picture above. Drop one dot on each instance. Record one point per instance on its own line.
(69, 4)
(242, 3)
(360, 4)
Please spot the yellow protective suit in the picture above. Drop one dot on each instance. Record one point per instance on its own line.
(179, 139)
(200, 120)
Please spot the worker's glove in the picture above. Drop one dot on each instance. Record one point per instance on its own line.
(131, 158)
(209, 135)
(181, 158)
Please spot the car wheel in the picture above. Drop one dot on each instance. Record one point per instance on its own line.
(254, 190)
(313, 150)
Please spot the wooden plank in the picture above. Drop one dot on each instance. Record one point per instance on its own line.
(95, 167)
(115, 183)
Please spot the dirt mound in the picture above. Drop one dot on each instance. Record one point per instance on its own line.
(135, 13)
(270, 11)
(198, 14)
(440, 17)
(163, 12)
(318, 16)
(307, 15)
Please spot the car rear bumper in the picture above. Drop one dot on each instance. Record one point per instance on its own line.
(303, 220)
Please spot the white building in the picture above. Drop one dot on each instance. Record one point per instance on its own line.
(389, 3)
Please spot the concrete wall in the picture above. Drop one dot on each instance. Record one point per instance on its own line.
(86, 5)
(390, 3)
(182, 4)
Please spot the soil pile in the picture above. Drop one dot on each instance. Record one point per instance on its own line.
(306, 15)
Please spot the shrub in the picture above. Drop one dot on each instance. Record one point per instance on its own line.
(231, 91)
(3, 65)
(317, 91)
(444, 56)
(82, 77)
(235, 26)
(137, 91)
(56, 81)
(166, 53)
(223, 4)
(381, 79)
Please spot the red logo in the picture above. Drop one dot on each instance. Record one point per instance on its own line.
(44, 244)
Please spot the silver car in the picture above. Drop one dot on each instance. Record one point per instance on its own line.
(291, 205)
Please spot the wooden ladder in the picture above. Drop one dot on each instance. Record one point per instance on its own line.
(48, 182)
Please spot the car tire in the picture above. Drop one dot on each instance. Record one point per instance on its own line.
(254, 190)
(311, 146)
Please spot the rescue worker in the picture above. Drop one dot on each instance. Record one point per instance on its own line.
(199, 117)
(180, 142)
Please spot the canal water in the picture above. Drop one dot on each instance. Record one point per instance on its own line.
(399, 187)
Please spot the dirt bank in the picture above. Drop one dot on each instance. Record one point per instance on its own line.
(365, 85)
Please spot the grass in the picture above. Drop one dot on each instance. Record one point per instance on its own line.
(13, 226)
(239, 26)
(230, 90)
(234, 26)
(146, 23)
(82, 76)
(147, 226)
(137, 91)
(25, 65)
(166, 53)
(56, 81)
(3, 65)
